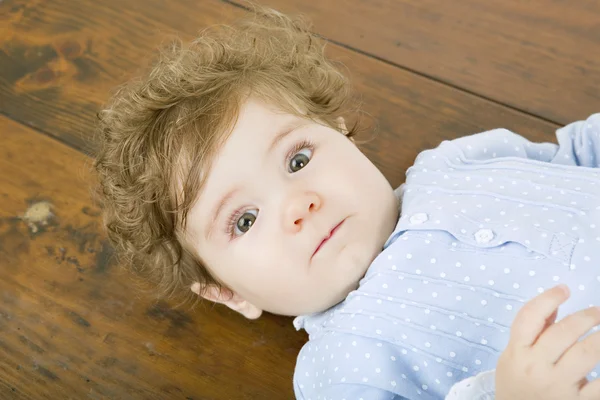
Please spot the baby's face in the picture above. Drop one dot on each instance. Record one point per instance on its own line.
(284, 195)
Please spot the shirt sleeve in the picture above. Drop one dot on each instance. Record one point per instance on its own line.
(478, 387)
(578, 145)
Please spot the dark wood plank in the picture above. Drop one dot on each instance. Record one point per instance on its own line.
(72, 324)
(538, 56)
(62, 58)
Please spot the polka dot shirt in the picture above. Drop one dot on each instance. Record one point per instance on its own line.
(488, 221)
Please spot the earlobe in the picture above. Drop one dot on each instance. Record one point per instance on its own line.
(228, 298)
(342, 125)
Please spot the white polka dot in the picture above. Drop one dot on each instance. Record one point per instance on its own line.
(478, 362)
(433, 260)
(483, 341)
(393, 358)
(449, 374)
(516, 285)
(509, 307)
(531, 273)
(393, 383)
(415, 367)
(581, 287)
(459, 298)
(458, 265)
(409, 290)
(367, 355)
(459, 333)
(586, 258)
(491, 282)
(452, 354)
(409, 256)
(506, 270)
(434, 294)
(377, 370)
(482, 267)
(483, 302)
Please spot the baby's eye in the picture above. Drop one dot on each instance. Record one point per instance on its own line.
(245, 222)
(299, 160)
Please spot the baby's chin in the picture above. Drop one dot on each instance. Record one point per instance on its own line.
(341, 293)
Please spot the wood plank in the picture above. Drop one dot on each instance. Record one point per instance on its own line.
(63, 57)
(537, 56)
(73, 326)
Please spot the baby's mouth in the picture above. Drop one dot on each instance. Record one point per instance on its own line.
(329, 236)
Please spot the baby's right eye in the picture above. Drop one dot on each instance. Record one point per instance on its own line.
(240, 224)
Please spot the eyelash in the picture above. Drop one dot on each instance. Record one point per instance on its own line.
(232, 220)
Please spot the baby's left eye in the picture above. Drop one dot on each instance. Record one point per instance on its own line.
(299, 160)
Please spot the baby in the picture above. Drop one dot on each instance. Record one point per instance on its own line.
(229, 170)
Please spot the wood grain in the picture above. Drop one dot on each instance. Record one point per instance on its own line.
(537, 56)
(64, 57)
(72, 324)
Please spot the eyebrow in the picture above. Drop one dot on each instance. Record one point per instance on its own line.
(285, 131)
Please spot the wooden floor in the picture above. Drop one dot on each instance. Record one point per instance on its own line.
(72, 325)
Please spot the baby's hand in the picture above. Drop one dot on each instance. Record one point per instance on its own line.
(545, 360)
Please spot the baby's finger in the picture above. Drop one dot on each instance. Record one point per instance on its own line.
(559, 337)
(590, 391)
(580, 359)
(533, 316)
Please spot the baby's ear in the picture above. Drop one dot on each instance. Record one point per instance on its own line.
(342, 126)
(228, 298)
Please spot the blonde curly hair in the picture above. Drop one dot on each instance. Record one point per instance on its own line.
(160, 133)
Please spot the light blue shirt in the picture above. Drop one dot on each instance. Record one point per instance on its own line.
(488, 221)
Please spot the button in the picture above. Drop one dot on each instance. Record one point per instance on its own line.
(419, 218)
(484, 235)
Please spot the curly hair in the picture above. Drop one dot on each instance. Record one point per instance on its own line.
(160, 133)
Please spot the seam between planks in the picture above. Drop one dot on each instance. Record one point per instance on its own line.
(420, 74)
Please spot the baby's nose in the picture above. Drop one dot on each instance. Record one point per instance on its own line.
(299, 208)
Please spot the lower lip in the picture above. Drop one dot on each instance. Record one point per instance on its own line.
(333, 231)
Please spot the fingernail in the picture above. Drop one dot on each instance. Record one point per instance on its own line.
(564, 288)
